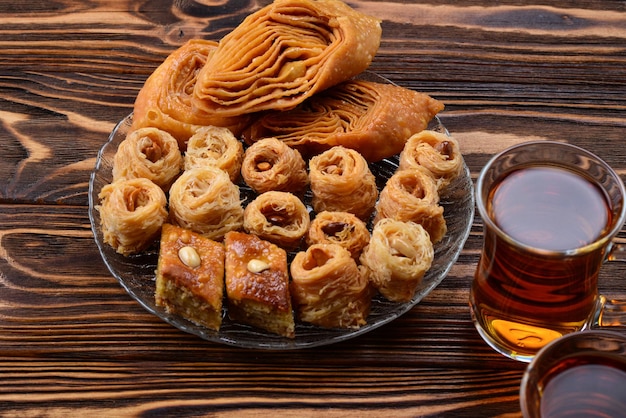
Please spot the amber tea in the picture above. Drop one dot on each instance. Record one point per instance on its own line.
(585, 387)
(545, 230)
(582, 374)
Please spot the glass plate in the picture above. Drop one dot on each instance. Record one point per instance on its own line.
(136, 273)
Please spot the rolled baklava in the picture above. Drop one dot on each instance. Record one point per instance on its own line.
(279, 217)
(132, 213)
(411, 195)
(206, 201)
(212, 145)
(341, 228)
(270, 164)
(328, 289)
(148, 153)
(341, 181)
(435, 151)
(397, 257)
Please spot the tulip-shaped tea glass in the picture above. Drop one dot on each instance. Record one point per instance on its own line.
(579, 375)
(551, 212)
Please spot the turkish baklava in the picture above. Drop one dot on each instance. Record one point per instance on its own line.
(257, 284)
(190, 276)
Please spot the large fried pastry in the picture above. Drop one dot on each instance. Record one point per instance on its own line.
(284, 53)
(373, 118)
(165, 100)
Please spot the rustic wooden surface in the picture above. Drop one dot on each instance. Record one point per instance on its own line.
(73, 342)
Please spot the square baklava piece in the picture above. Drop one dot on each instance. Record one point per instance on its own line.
(257, 284)
(190, 276)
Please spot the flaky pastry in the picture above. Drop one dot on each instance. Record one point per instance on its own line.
(165, 100)
(397, 257)
(148, 153)
(373, 118)
(270, 164)
(341, 181)
(284, 53)
(132, 213)
(411, 195)
(206, 201)
(435, 151)
(212, 145)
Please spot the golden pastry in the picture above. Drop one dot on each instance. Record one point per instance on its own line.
(341, 181)
(269, 164)
(341, 228)
(373, 118)
(257, 284)
(149, 153)
(132, 213)
(284, 53)
(397, 257)
(279, 217)
(328, 289)
(435, 151)
(411, 195)
(190, 276)
(165, 100)
(206, 201)
(212, 145)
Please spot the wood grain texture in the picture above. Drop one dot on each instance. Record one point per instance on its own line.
(73, 342)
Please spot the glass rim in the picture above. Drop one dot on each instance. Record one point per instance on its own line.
(550, 353)
(597, 243)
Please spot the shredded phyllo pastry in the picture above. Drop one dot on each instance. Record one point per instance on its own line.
(215, 146)
(206, 201)
(284, 53)
(132, 213)
(341, 228)
(373, 118)
(270, 164)
(148, 153)
(165, 100)
(437, 152)
(342, 181)
(411, 195)
(279, 217)
(397, 257)
(328, 288)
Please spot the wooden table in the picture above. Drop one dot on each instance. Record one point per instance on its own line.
(73, 342)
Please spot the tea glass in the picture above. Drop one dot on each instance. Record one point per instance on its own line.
(579, 375)
(524, 294)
